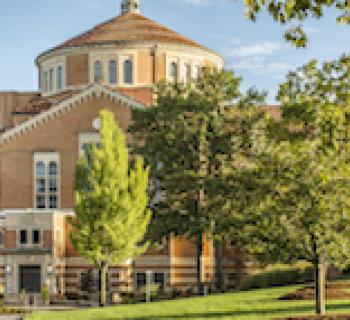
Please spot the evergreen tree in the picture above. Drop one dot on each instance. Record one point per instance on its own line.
(111, 215)
(186, 139)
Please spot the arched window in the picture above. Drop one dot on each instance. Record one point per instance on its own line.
(128, 70)
(173, 71)
(46, 180)
(98, 71)
(51, 81)
(112, 71)
(59, 78)
(188, 73)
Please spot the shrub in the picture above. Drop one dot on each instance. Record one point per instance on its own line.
(45, 295)
(278, 278)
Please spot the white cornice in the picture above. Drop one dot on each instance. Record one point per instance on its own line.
(95, 90)
(131, 44)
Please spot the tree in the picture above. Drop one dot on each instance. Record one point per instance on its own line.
(294, 191)
(111, 215)
(185, 138)
(291, 11)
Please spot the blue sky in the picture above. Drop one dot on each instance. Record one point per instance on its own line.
(256, 51)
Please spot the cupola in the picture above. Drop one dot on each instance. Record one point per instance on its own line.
(130, 6)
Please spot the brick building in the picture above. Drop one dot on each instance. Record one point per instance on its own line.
(115, 66)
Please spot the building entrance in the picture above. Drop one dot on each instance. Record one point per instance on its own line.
(30, 278)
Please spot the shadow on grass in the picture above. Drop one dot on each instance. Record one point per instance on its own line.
(276, 312)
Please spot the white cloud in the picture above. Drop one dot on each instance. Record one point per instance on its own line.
(257, 49)
(259, 66)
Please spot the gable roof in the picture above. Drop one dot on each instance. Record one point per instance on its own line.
(95, 90)
(128, 27)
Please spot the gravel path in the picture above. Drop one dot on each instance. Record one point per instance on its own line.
(16, 317)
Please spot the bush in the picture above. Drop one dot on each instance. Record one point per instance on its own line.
(45, 295)
(278, 278)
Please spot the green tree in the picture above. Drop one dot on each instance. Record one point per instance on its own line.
(186, 139)
(295, 12)
(111, 215)
(294, 191)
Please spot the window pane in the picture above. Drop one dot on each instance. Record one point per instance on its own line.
(53, 185)
(53, 168)
(128, 72)
(40, 202)
(40, 169)
(23, 236)
(53, 202)
(36, 236)
(112, 72)
(40, 185)
(98, 73)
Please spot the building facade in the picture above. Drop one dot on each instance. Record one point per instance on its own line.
(113, 66)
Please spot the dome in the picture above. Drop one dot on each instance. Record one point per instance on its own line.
(126, 52)
(126, 28)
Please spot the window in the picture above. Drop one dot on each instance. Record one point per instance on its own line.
(188, 75)
(159, 279)
(36, 237)
(197, 72)
(140, 280)
(112, 72)
(173, 71)
(46, 81)
(86, 139)
(51, 79)
(46, 180)
(98, 71)
(2, 237)
(23, 237)
(128, 70)
(59, 78)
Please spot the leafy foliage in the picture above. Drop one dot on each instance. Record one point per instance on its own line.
(291, 11)
(186, 139)
(110, 200)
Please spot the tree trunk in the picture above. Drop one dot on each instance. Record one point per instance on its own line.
(103, 299)
(218, 264)
(320, 281)
(200, 287)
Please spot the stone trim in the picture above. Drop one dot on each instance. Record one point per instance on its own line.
(95, 90)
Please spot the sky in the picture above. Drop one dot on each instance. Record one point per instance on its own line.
(255, 51)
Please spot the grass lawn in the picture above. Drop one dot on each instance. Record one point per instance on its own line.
(259, 304)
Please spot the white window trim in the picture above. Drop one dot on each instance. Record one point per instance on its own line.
(105, 57)
(47, 157)
(87, 137)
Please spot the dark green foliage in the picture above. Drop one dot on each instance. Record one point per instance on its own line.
(278, 278)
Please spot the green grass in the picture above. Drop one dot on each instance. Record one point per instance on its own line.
(258, 304)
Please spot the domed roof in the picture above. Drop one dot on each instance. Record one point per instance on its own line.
(128, 27)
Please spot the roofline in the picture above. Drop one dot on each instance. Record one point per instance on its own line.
(95, 89)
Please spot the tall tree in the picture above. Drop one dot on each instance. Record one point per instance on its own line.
(294, 192)
(111, 215)
(185, 137)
